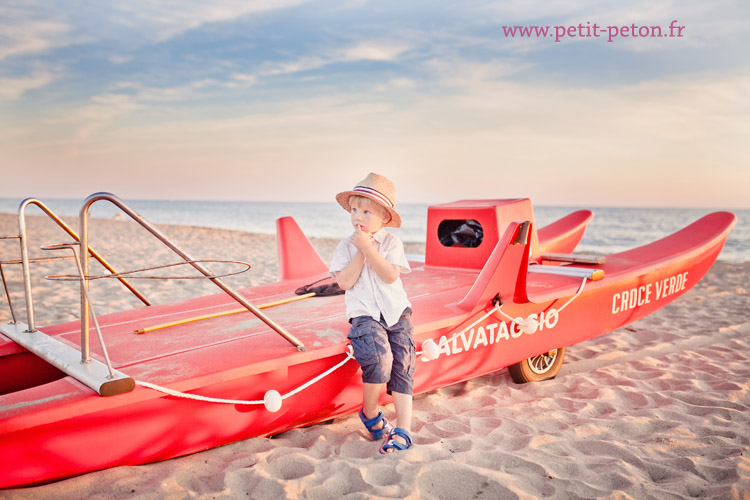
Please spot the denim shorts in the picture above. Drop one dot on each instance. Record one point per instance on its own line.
(386, 354)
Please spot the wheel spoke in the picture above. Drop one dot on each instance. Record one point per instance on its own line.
(540, 364)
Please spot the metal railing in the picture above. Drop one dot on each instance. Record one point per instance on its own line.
(5, 283)
(25, 261)
(85, 358)
(83, 221)
(101, 377)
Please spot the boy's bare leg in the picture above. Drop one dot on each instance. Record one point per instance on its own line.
(371, 395)
(403, 404)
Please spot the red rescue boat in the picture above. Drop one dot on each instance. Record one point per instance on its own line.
(492, 292)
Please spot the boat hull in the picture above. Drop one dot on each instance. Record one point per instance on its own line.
(149, 429)
(59, 428)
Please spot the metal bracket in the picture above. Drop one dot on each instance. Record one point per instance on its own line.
(496, 300)
(522, 238)
(94, 374)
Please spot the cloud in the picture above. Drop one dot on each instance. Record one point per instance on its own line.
(440, 97)
(538, 11)
(293, 66)
(147, 96)
(25, 31)
(372, 51)
(656, 143)
(365, 50)
(241, 78)
(15, 87)
(368, 50)
(168, 18)
(84, 124)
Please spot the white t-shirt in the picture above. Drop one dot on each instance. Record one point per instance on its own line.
(371, 296)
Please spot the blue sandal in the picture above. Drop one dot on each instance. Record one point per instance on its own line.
(392, 444)
(372, 422)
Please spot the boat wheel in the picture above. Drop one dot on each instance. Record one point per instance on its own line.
(542, 367)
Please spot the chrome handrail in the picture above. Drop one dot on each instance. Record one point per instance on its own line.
(7, 295)
(83, 221)
(85, 358)
(84, 251)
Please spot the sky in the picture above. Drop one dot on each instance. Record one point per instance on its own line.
(295, 100)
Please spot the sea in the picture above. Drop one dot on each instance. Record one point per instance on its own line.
(614, 229)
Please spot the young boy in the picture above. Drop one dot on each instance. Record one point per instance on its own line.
(368, 265)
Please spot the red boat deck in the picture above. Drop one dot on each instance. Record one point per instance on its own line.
(193, 355)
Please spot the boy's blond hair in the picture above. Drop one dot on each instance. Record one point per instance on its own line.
(370, 204)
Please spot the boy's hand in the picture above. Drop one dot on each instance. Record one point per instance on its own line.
(361, 239)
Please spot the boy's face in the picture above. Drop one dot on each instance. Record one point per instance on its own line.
(367, 216)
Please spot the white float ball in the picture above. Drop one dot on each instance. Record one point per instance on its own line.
(430, 349)
(529, 325)
(272, 401)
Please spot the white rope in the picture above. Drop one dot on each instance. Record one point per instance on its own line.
(206, 399)
(511, 318)
(349, 355)
(559, 310)
(498, 308)
(195, 397)
(488, 314)
(580, 289)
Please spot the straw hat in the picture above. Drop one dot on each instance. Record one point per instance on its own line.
(377, 188)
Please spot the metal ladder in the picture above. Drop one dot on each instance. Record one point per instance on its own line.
(100, 377)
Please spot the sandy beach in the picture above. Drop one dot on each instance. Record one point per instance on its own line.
(659, 409)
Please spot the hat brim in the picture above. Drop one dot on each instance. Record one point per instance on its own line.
(343, 199)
